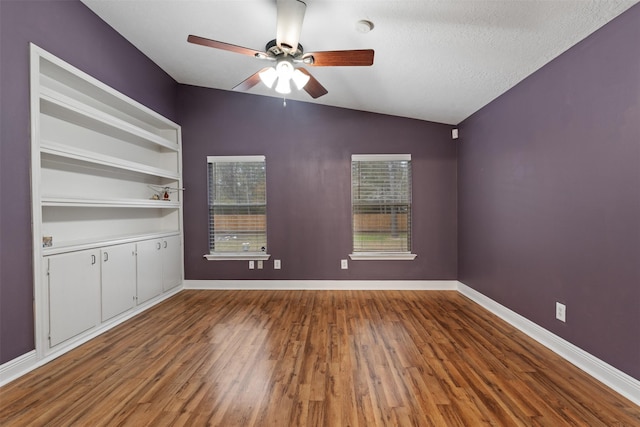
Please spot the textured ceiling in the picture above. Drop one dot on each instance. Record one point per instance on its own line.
(434, 60)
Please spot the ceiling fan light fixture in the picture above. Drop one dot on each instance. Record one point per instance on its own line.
(300, 79)
(269, 77)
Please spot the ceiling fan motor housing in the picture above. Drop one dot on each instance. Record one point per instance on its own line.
(289, 24)
(274, 50)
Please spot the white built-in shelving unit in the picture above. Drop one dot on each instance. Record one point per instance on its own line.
(107, 242)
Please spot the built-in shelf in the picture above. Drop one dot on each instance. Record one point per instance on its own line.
(109, 203)
(106, 242)
(68, 152)
(82, 244)
(71, 110)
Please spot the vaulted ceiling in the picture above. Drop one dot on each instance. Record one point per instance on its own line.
(434, 60)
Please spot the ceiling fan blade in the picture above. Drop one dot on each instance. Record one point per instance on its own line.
(224, 46)
(345, 58)
(313, 86)
(249, 82)
(289, 24)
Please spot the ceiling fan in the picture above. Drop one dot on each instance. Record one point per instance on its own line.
(287, 53)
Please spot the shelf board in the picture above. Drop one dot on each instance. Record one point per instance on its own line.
(68, 152)
(82, 110)
(108, 203)
(78, 245)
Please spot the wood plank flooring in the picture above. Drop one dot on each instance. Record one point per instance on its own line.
(313, 358)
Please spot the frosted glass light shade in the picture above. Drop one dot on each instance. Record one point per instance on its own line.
(269, 77)
(283, 86)
(300, 79)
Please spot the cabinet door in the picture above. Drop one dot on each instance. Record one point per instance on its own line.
(149, 271)
(171, 262)
(118, 279)
(74, 294)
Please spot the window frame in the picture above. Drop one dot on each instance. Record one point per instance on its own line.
(381, 255)
(241, 255)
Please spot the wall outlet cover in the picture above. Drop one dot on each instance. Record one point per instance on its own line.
(561, 312)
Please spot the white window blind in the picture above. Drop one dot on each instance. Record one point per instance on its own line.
(237, 205)
(381, 203)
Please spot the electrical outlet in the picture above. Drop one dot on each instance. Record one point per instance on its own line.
(344, 264)
(561, 312)
(251, 265)
(276, 264)
(260, 265)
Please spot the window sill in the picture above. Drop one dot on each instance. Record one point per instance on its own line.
(237, 256)
(382, 256)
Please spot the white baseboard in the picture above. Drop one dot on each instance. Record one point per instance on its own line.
(17, 367)
(622, 383)
(405, 285)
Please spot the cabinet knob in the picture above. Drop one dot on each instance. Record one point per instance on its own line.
(106, 256)
(93, 259)
(165, 244)
(158, 246)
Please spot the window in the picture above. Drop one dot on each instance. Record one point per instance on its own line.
(381, 206)
(237, 207)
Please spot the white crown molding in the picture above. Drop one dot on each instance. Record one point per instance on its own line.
(622, 383)
(405, 285)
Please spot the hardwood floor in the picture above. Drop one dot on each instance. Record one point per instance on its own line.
(313, 358)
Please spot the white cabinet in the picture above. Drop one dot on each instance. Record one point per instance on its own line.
(85, 288)
(101, 164)
(74, 294)
(118, 279)
(159, 266)
(149, 269)
(171, 265)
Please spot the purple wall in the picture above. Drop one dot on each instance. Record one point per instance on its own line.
(549, 195)
(72, 32)
(308, 149)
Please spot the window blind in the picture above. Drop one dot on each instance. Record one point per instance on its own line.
(381, 203)
(237, 204)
